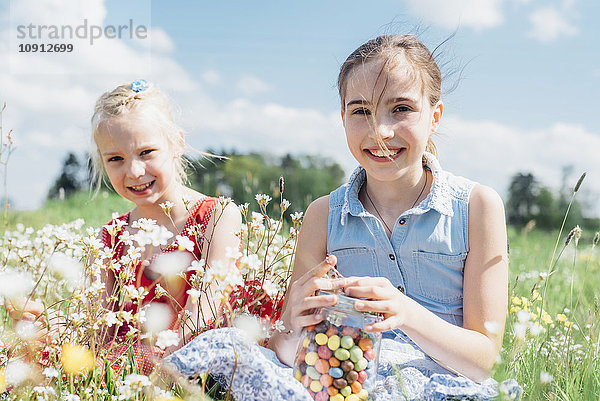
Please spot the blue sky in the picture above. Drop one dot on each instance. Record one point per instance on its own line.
(261, 76)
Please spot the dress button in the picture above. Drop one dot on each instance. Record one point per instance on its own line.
(392, 256)
(402, 221)
(401, 288)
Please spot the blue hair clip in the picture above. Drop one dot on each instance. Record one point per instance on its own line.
(139, 85)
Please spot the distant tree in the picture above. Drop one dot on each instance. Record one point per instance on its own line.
(241, 176)
(529, 200)
(69, 180)
(522, 191)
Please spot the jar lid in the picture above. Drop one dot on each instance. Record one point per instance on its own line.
(345, 302)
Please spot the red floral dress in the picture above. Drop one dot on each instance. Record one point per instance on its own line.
(145, 354)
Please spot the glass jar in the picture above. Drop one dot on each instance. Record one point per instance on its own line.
(336, 359)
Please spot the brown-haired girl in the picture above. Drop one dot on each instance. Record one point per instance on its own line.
(421, 246)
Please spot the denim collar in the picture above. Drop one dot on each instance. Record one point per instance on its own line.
(438, 198)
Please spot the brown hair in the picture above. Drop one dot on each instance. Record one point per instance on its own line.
(388, 48)
(123, 100)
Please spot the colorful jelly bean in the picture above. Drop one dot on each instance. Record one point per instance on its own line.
(312, 373)
(322, 366)
(356, 353)
(305, 342)
(311, 358)
(347, 366)
(352, 376)
(340, 383)
(342, 354)
(356, 387)
(363, 395)
(324, 352)
(347, 342)
(332, 331)
(362, 376)
(369, 354)
(321, 338)
(298, 375)
(316, 386)
(326, 380)
(346, 391)
(352, 397)
(365, 343)
(361, 364)
(336, 373)
(334, 342)
(334, 362)
(322, 396)
(337, 397)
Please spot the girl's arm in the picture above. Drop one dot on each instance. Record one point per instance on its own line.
(470, 350)
(310, 265)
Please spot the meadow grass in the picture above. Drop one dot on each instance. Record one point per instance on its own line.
(551, 340)
(96, 211)
(552, 351)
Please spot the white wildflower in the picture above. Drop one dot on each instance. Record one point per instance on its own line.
(520, 330)
(50, 373)
(111, 319)
(184, 243)
(16, 372)
(251, 325)
(523, 316)
(262, 199)
(170, 263)
(158, 317)
(167, 206)
(194, 294)
(284, 205)
(167, 338)
(197, 266)
(14, 285)
(159, 291)
(66, 267)
(278, 325)
(545, 377)
(492, 327)
(297, 217)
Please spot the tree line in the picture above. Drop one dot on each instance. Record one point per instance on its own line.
(242, 175)
(239, 176)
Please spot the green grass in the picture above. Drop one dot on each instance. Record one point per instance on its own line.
(95, 212)
(568, 354)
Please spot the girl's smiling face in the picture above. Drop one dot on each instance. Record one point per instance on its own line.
(387, 117)
(138, 160)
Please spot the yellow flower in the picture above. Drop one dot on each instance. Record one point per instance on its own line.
(568, 324)
(546, 317)
(514, 309)
(2, 381)
(76, 359)
(524, 301)
(561, 318)
(516, 301)
(535, 295)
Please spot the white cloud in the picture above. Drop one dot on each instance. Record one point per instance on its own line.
(549, 23)
(49, 108)
(475, 14)
(161, 41)
(250, 85)
(247, 125)
(211, 77)
(490, 152)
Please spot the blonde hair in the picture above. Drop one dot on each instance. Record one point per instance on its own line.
(388, 48)
(150, 101)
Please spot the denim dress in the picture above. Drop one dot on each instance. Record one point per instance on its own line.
(425, 256)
